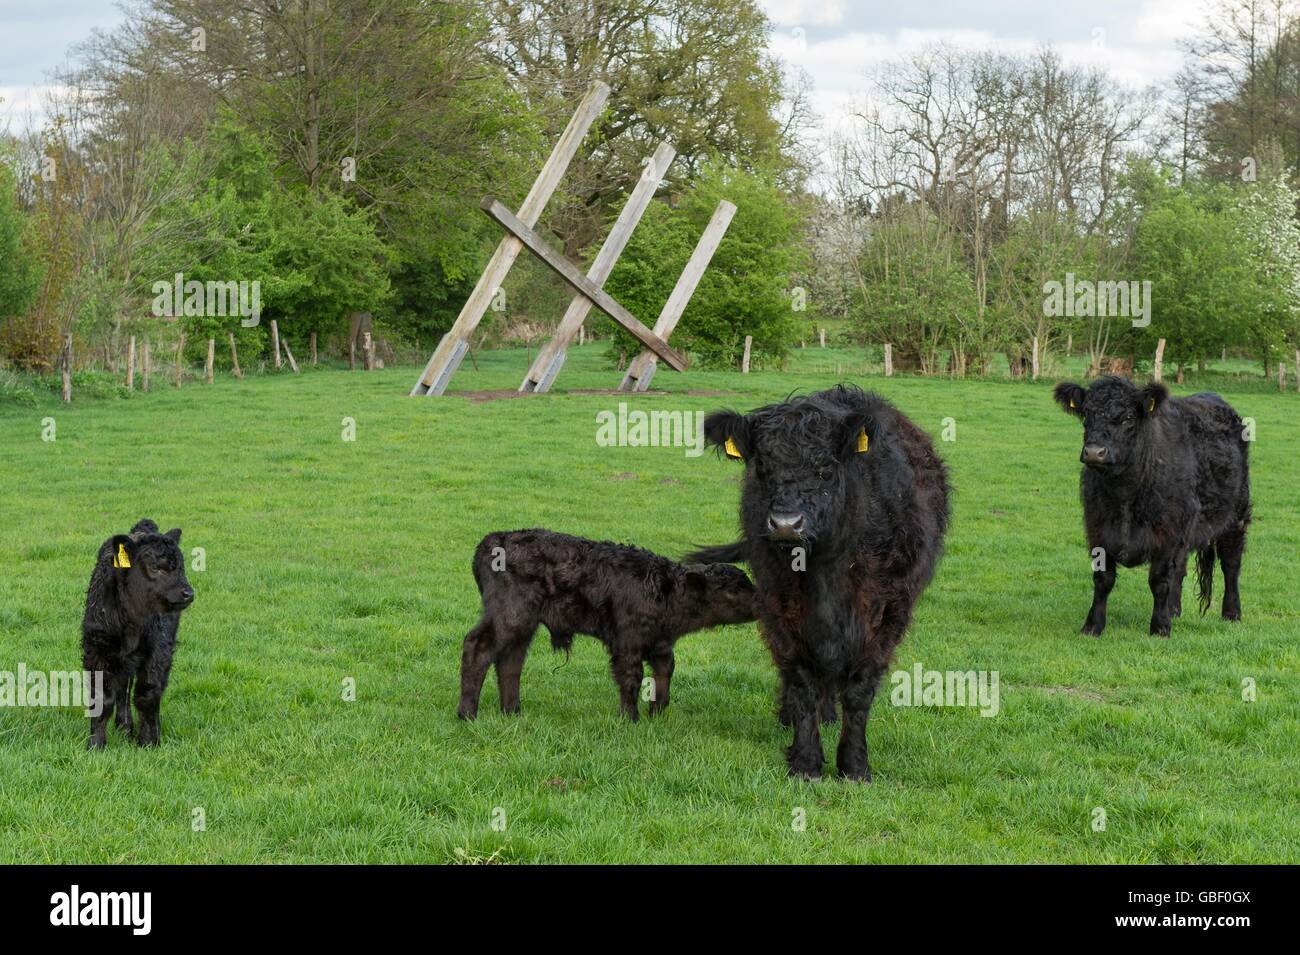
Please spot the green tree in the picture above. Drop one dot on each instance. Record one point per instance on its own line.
(20, 280)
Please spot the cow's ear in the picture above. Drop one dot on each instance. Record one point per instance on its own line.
(122, 547)
(174, 534)
(730, 431)
(1070, 397)
(697, 576)
(1154, 396)
(858, 435)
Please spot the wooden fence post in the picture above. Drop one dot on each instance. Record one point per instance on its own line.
(889, 360)
(275, 342)
(744, 362)
(1297, 369)
(284, 342)
(582, 335)
(313, 349)
(130, 365)
(1281, 376)
(1034, 366)
(212, 354)
(234, 357)
(1069, 344)
(1160, 360)
(180, 359)
(144, 367)
(822, 333)
(368, 351)
(67, 369)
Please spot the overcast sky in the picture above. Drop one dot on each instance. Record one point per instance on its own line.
(834, 40)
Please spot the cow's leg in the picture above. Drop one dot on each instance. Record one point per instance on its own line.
(851, 757)
(803, 695)
(475, 658)
(1230, 547)
(826, 708)
(628, 671)
(1176, 593)
(509, 662)
(122, 702)
(1164, 569)
(1102, 583)
(101, 703)
(150, 684)
(662, 663)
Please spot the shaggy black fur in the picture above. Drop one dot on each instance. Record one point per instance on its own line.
(636, 603)
(129, 630)
(869, 527)
(1163, 477)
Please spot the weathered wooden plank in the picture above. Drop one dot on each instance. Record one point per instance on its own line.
(551, 356)
(437, 373)
(642, 368)
(569, 272)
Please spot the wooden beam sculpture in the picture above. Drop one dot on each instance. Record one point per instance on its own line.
(642, 369)
(451, 350)
(551, 358)
(587, 289)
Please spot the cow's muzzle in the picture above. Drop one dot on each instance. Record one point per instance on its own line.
(786, 527)
(1094, 455)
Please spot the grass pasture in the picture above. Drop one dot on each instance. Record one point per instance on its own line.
(329, 559)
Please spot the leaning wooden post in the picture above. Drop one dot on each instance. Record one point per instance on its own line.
(451, 350)
(212, 354)
(313, 349)
(284, 342)
(889, 360)
(550, 357)
(144, 367)
(1034, 373)
(641, 370)
(1159, 367)
(275, 342)
(67, 369)
(744, 361)
(180, 356)
(130, 365)
(234, 358)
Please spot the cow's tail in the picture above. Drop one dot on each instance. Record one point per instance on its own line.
(1205, 576)
(736, 553)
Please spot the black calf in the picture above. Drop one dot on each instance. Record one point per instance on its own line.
(636, 603)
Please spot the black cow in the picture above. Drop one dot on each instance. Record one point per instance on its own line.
(133, 610)
(636, 603)
(842, 513)
(1163, 477)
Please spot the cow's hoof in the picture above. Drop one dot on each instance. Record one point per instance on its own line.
(805, 775)
(467, 714)
(1158, 631)
(1233, 615)
(94, 744)
(1091, 630)
(855, 776)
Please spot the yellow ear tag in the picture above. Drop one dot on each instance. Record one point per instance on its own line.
(1072, 404)
(121, 560)
(863, 441)
(1151, 406)
(732, 450)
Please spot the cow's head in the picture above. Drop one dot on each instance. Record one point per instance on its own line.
(152, 572)
(1114, 413)
(723, 593)
(805, 459)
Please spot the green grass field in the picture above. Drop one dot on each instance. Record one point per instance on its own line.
(328, 560)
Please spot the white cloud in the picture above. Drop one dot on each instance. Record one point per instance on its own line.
(804, 12)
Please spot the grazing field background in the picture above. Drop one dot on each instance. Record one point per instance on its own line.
(328, 560)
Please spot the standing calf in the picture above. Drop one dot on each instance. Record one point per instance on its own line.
(636, 603)
(133, 608)
(842, 514)
(1162, 477)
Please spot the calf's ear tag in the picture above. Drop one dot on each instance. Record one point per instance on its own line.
(121, 560)
(1151, 406)
(731, 449)
(1072, 404)
(863, 441)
